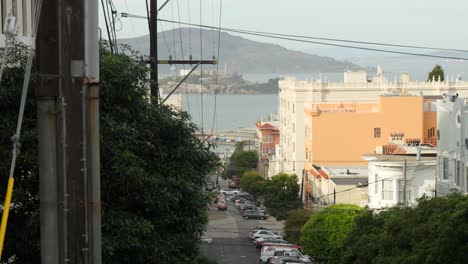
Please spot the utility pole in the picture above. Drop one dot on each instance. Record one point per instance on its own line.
(153, 27)
(67, 95)
(404, 183)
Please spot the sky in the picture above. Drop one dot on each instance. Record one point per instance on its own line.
(434, 23)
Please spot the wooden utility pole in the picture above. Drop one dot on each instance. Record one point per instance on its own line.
(404, 183)
(153, 27)
(67, 52)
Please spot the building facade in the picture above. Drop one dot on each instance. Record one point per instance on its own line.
(298, 99)
(386, 179)
(452, 150)
(338, 134)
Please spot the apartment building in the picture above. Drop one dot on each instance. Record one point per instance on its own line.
(299, 101)
(452, 149)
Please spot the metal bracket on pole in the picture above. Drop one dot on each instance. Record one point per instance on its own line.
(180, 83)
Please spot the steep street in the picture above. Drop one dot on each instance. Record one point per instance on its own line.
(229, 233)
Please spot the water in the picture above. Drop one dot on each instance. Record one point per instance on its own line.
(232, 110)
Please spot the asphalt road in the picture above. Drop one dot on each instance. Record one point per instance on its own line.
(229, 233)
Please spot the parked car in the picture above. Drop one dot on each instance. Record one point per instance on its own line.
(251, 214)
(222, 205)
(230, 192)
(285, 260)
(260, 241)
(247, 206)
(275, 251)
(254, 229)
(265, 234)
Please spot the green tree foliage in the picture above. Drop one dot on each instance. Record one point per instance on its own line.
(248, 178)
(22, 236)
(154, 209)
(152, 169)
(294, 224)
(437, 73)
(242, 161)
(252, 183)
(323, 235)
(436, 231)
(282, 195)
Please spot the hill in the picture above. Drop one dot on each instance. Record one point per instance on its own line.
(237, 54)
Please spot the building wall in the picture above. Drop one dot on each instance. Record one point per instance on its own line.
(420, 181)
(452, 150)
(340, 137)
(301, 93)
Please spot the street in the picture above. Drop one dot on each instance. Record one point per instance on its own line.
(229, 233)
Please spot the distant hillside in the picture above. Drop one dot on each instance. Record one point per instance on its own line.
(238, 54)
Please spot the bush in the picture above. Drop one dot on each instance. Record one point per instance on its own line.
(323, 235)
(436, 231)
(294, 224)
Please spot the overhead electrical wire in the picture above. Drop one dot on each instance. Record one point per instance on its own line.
(275, 36)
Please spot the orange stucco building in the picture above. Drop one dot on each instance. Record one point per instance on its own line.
(339, 134)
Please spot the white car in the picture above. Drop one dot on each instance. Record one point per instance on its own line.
(272, 251)
(265, 234)
(230, 192)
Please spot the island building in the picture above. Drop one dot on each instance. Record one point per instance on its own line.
(334, 124)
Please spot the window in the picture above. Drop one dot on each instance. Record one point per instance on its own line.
(375, 185)
(400, 191)
(457, 172)
(387, 190)
(377, 132)
(445, 168)
(307, 154)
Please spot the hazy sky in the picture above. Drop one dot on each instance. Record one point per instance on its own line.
(415, 22)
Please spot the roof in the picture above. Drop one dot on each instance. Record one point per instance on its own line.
(350, 181)
(267, 126)
(379, 157)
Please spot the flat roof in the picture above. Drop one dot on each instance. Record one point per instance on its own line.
(382, 157)
(350, 181)
(342, 171)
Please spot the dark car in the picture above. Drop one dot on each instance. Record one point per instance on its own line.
(254, 215)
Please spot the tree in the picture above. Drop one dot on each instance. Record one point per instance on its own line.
(436, 74)
(282, 195)
(22, 236)
(323, 235)
(152, 169)
(433, 232)
(248, 179)
(294, 223)
(242, 161)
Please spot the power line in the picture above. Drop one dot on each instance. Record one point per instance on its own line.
(247, 32)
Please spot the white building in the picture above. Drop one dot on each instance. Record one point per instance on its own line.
(295, 94)
(336, 185)
(386, 179)
(24, 10)
(452, 148)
